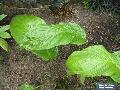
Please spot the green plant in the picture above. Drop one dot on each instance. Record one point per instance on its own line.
(4, 34)
(26, 87)
(33, 34)
(94, 61)
(86, 4)
(1, 58)
(102, 5)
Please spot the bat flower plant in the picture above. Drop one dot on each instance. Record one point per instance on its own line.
(94, 61)
(34, 34)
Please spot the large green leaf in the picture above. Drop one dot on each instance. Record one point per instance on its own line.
(47, 54)
(26, 87)
(94, 61)
(23, 24)
(2, 16)
(4, 44)
(32, 33)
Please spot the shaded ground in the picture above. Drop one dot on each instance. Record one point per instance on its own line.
(21, 66)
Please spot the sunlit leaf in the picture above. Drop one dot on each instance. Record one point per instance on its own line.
(32, 33)
(94, 61)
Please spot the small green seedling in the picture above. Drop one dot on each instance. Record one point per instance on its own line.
(34, 34)
(94, 61)
(1, 58)
(4, 34)
(86, 4)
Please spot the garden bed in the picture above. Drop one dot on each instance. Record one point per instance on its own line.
(20, 66)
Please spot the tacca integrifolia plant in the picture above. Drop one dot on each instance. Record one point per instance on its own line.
(35, 35)
(94, 61)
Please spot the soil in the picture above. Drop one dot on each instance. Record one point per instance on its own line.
(20, 66)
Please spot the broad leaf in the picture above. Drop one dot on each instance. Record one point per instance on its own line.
(2, 16)
(4, 44)
(68, 33)
(47, 54)
(26, 87)
(20, 25)
(32, 33)
(94, 61)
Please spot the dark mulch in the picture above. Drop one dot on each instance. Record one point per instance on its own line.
(20, 66)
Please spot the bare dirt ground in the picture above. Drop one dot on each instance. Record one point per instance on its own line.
(20, 66)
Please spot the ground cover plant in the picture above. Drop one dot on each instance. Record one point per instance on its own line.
(35, 35)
